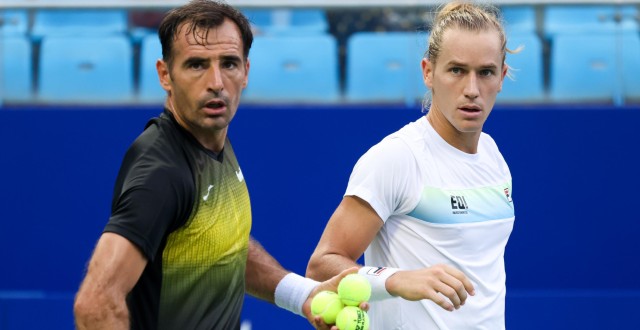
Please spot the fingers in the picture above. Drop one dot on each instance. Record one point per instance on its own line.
(445, 285)
(364, 306)
(441, 301)
(347, 271)
(467, 285)
(332, 283)
(328, 285)
(452, 284)
(447, 297)
(319, 324)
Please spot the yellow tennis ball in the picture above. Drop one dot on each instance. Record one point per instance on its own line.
(352, 318)
(326, 304)
(354, 289)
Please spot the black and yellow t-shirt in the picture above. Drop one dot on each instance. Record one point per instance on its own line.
(188, 211)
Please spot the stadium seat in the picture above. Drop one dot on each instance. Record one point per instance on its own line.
(85, 22)
(85, 70)
(288, 21)
(16, 69)
(385, 67)
(565, 19)
(293, 68)
(527, 83)
(594, 67)
(149, 89)
(519, 19)
(14, 22)
(631, 67)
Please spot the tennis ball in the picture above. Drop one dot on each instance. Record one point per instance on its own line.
(352, 318)
(354, 289)
(326, 304)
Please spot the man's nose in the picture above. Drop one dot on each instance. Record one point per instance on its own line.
(214, 79)
(471, 89)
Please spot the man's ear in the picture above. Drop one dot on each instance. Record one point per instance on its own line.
(427, 72)
(246, 73)
(505, 69)
(164, 75)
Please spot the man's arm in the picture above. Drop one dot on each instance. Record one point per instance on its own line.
(114, 268)
(351, 229)
(264, 275)
(263, 272)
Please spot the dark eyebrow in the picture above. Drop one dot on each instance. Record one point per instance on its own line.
(234, 58)
(195, 59)
(454, 63)
(490, 66)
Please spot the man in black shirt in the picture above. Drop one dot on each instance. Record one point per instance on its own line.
(176, 252)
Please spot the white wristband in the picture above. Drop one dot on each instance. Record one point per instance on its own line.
(378, 276)
(292, 291)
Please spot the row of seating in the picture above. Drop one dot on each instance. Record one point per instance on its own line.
(66, 64)
(74, 22)
(519, 18)
(550, 20)
(381, 67)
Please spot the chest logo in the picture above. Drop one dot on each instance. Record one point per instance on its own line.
(459, 205)
(205, 197)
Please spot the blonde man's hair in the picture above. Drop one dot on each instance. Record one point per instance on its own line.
(467, 16)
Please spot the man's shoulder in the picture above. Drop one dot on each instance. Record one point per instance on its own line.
(160, 135)
(158, 150)
(488, 142)
(410, 137)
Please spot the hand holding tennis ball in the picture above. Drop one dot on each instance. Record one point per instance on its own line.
(327, 304)
(354, 289)
(352, 318)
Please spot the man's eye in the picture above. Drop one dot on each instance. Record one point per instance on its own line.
(229, 64)
(486, 72)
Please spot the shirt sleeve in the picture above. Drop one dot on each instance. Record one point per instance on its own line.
(387, 177)
(151, 204)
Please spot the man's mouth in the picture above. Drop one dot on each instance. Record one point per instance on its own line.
(216, 104)
(470, 108)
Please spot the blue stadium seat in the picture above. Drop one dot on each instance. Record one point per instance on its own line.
(519, 19)
(385, 67)
(74, 22)
(14, 22)
(527, 84)
(293, 69)
(567, 19)
(288, 21)
(86, 70)
(149, 89)
(309, 20)
(594, 67)
(16, 69)
(259, 18)
(631, 67)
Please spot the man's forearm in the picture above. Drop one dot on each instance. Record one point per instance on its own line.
(263, 272)
(98, 308)
(324, 267)
(100, 313)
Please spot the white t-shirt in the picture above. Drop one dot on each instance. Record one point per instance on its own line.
(439, 206)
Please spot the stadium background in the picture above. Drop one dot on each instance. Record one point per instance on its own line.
(573, 258)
